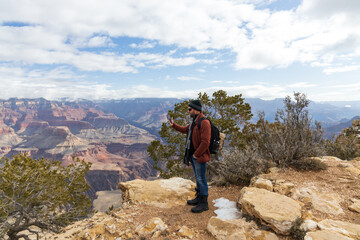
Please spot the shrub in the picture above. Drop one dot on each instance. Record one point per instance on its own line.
(40, 193)
(238, 166)
(310, 164)
(290, 139)
(296, 232)
(343, 146)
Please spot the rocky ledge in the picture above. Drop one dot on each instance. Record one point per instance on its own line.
(319, 205)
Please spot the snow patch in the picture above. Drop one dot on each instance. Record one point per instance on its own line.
(226, 209)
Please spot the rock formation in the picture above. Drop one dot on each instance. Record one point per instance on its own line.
(59, 130)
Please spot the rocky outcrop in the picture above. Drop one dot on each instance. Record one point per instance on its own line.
(273, 209)
(146, 204)
(8, 137)
(161, 193)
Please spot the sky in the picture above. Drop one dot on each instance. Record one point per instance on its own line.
(113, 49)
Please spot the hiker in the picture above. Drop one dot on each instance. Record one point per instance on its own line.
(197, 153)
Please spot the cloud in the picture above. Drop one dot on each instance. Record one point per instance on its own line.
(199, 52)
(62, 82)
(259, 37)
(302, 85)
(143, 45)
(341, 69)
(189, 78)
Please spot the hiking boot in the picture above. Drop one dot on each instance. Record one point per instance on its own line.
(202, 205)
(196, 200)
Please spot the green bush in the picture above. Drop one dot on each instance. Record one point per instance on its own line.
(290, 140)
(238, 166)
(41, 193)
(345, 147)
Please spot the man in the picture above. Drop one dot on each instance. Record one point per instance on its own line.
(197, 153)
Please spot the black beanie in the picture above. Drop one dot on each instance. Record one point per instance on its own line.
(196, 104)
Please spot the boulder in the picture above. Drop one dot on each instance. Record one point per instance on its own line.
(325, 202)
(273, 209)
(161, 193)
(355, 206)
(237, 229)
(345, 228)
(325, 235)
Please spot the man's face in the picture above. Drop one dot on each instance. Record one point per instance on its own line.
(192, 112)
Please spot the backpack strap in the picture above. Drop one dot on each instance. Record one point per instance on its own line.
(200, 120)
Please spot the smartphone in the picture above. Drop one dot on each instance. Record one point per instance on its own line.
(169, 118)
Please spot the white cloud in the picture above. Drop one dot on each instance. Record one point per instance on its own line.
(314, 33)
(341, 69)
(143, 45)
(100, 41)
(302, 85)
(199, 52)
(189, 78)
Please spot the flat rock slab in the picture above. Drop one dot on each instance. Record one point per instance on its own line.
(237, 229)
(275, 210)
(325, 202)
(164, 193)
(325, 235)
(345, 228)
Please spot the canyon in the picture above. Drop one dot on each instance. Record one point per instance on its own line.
(59, 130)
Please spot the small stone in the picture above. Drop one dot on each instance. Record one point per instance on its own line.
(186, 232)
(273, 170)
(309, 225)
(355, 206)
(263, 183)
(152, 225)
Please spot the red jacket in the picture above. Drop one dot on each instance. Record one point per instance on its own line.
(200, 139)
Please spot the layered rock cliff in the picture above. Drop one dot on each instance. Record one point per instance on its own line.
(59, 130)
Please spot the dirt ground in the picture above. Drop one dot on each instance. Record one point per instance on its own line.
(180, 216)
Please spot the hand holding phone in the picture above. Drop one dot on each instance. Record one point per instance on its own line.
(170, 120)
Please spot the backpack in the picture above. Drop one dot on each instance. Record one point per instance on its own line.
(215, 136)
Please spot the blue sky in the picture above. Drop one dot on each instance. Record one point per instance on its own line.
(176, 48)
